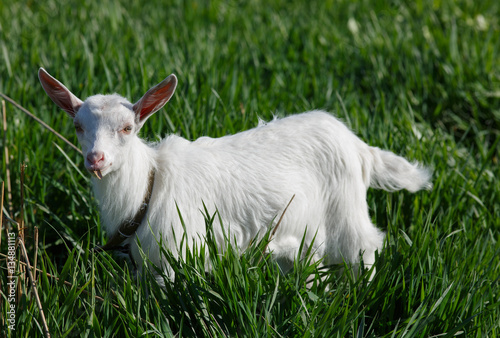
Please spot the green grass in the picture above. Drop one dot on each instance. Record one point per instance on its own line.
(421, 78)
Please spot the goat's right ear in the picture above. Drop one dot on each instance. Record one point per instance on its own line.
(58, 93)
(155, 98)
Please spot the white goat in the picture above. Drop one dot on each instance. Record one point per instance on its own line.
(249, 178)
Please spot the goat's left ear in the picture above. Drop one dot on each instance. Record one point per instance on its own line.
(155, 98)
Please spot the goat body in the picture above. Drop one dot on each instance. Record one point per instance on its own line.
(249, 178)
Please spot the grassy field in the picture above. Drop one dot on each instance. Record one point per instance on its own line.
(421, 78)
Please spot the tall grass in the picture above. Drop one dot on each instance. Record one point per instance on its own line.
(421, 78)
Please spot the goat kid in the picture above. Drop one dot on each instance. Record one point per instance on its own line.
(248, 178)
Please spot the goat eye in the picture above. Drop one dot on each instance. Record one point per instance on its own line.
(78, 128)
(127, 129)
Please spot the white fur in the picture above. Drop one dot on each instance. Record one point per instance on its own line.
(248, 177)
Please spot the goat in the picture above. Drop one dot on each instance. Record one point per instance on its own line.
(248, 178)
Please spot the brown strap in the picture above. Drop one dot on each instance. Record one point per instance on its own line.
(129, 226)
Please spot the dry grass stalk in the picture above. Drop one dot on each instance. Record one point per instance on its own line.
(1, 217)
(21, 215)
(281, 218)
(98, 174)
(276, 227)
(45, 125)
(7, 162)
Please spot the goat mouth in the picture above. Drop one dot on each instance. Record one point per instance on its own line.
(99, 173)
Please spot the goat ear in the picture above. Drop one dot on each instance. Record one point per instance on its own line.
(155, 98)
(58, 93)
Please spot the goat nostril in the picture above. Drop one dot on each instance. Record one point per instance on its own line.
(95, 158)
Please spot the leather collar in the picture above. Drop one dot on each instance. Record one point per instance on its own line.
(129, 226)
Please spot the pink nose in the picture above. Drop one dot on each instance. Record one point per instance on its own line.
(95, 158)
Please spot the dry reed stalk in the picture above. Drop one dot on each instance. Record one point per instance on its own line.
(33, 285)
(2, 320)
(36, 252)
(79, 288)
(66, 283)
(20, 230)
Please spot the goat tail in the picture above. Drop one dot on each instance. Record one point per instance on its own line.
(391, 172)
